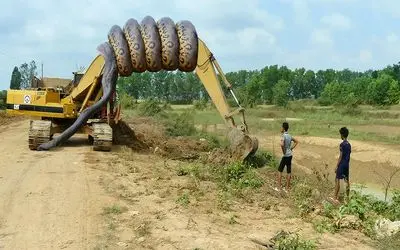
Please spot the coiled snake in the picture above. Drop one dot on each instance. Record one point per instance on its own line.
(151, 46)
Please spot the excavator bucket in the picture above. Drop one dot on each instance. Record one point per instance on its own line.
(241, 144)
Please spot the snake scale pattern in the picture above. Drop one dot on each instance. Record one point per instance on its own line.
(149, 46)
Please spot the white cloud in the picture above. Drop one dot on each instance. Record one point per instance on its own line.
(321, 37)
(337, 21)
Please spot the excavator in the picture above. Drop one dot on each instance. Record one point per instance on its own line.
(88, 104)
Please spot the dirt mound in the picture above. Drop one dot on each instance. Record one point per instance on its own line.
(219, 156)
(6, 119)
(146, 134)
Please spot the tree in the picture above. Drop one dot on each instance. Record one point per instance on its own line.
(3, 99)
(281, 93)
(15, 82)
(28, 71)
(384, 90)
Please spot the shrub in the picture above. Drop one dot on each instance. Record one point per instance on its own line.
(180, 124)
(127, 102)
(149, 108)
(200, 104)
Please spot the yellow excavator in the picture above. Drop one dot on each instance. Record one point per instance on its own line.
(88, 104)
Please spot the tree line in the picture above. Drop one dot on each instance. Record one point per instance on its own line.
(273, 85)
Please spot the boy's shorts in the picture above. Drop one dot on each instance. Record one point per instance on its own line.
(286, 161)
(342, 172)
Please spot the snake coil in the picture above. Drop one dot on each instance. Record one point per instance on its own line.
(154, 46)
(151, 46)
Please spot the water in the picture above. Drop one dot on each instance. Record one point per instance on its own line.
(373, 190)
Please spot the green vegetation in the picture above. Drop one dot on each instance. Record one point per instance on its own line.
(3, 99)
(114, 209)
(284, 240)
(273, 85)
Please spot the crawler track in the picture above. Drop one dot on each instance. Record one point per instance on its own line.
(39, 132)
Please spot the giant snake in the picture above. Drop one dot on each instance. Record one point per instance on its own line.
(151, 46)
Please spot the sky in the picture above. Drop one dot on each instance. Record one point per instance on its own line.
(251, 34)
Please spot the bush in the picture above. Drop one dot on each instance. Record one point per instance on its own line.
(286, 240)
(127, 102)
(261, 159)
(200, 104)
(180, 124)
(149, 108)
(238, 176)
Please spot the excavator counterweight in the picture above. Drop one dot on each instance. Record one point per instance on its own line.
(88, 105)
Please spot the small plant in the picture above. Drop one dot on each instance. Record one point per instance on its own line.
(286, 240)
(387, 180)
(324, 225)
(183, 200)
(114, 209)
(232, 219)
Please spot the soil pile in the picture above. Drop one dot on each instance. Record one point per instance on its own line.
(146, 134)
(6, 119)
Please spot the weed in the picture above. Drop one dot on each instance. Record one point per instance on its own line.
(224, 201)
(232, 219)
(183, 200)
(324, 225)
(284, 240)
(238, 175)
(114, 209)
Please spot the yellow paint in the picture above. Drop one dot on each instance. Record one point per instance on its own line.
(206, 72)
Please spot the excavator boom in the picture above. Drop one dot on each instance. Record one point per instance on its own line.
(241, 144)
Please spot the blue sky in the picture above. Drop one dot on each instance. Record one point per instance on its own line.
(315, 34)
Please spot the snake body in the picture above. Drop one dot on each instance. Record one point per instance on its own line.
(151, 46)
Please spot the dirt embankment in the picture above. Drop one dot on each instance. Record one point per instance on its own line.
(147, 135)
(6, 119)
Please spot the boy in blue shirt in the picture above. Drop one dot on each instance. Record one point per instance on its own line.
(343, 164)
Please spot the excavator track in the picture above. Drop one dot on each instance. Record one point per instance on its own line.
(39, 132)
(102, 137)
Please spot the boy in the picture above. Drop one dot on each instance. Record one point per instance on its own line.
(343, 164)
(286, 141)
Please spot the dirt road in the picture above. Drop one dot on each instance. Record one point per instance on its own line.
(48, 200)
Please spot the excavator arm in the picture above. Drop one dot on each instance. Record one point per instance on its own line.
(206, 72)
(240, 142)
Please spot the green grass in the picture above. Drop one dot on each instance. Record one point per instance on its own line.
(316, 121)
